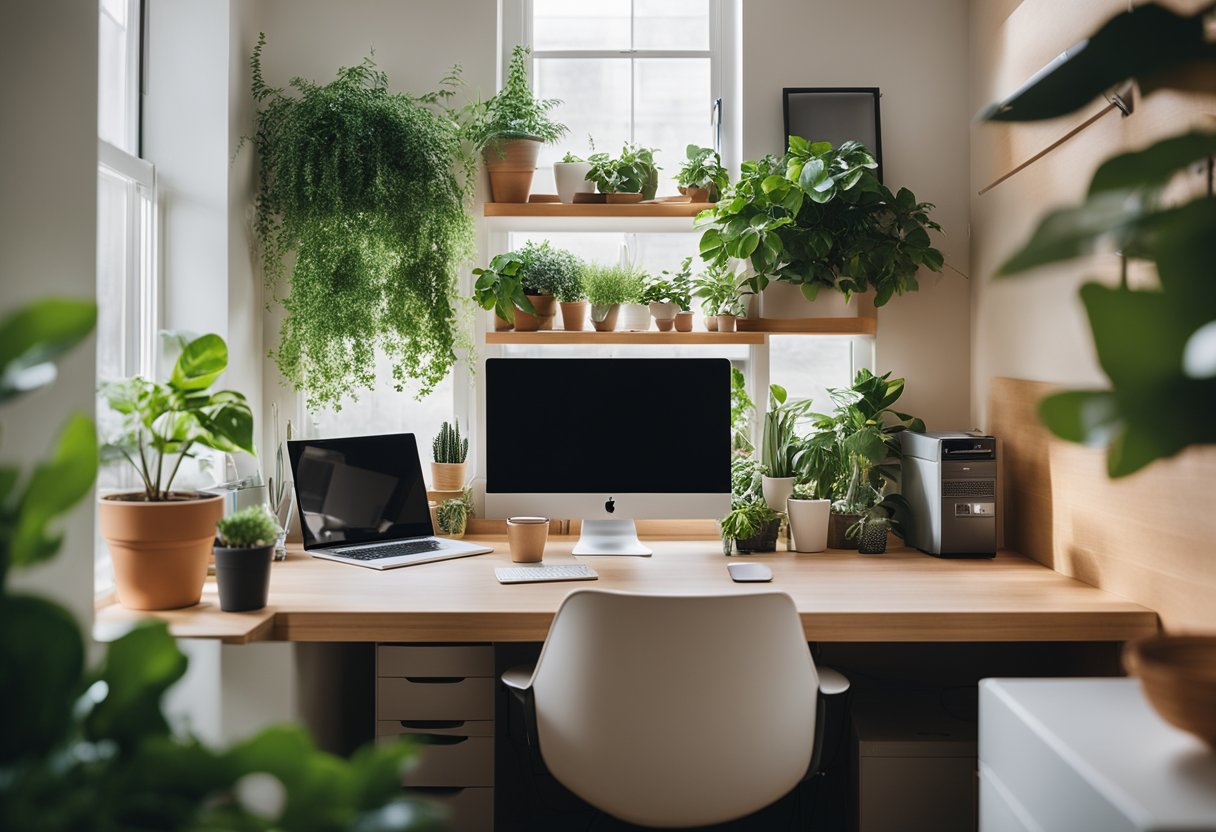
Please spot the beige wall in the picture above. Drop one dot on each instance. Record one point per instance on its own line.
(916, 52)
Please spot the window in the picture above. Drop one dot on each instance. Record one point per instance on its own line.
(127, 289)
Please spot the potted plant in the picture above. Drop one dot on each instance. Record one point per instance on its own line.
(570, 174)
(510, 128)
(635, 315)
(809, 509)
(244, 548)
(817, 219)
(750, 526)
(668, 295)
(607, 287)
(572, 301)
(160, 539)
(779, 445)
(870, 530)
(720, 291)
(702, 177)
(361, 205)
(498, 287)
(545, 272)
(452, 515)
(631, 177)
(449, 451)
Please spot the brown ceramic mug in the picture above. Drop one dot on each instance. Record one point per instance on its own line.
(526, 537)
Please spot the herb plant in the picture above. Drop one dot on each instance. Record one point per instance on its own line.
(570, 159)
(515, 113)
(606, 285)
(819, 218)
(702, 168)
(359, 183)
(671, 288)
(249, 528)
(448, 445)
(545, 270)
(634, 171)
(162, 423)
(498, 287)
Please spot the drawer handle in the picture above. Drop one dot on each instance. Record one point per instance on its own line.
(434, 680)
(439, 739)
(437, 791)
(432, 723)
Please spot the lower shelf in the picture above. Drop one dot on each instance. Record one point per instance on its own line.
(559, 336)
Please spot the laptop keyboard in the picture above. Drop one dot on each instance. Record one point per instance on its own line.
(390, 550)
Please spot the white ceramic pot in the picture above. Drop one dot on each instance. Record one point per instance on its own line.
(635, 317)
(572, 179)
(785, 300)
(665, 311)
(776, 489)
(809, 524)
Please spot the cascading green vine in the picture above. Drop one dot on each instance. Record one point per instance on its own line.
(364, 186)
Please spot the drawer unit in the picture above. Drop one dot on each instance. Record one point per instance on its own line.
(445, 698)
(415, 662)
(460, 754)
(467, 810)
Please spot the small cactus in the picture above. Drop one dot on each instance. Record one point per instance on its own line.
(448, 446)
(249, 528)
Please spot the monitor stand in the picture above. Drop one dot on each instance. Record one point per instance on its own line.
(610, 537)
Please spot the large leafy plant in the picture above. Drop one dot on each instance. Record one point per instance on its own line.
(515, 113)
(360, 183)
(819, 218)
(162, 424)
(91, 749)
(634, 171)
(1156, 345)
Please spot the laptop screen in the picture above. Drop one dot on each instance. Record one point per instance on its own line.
(361, 489)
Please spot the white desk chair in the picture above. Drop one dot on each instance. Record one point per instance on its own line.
(676, 711)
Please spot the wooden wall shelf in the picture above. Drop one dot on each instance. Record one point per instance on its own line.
(861, 325)
(560, 209)
(559, 336)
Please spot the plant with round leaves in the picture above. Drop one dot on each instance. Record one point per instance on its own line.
(634, 171)
(498, 287)
(702, 168)
(361, 184)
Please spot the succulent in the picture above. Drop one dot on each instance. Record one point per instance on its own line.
(452, 516)
(249, 528)
(449, 446)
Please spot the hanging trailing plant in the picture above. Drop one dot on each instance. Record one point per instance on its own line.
(364, 186)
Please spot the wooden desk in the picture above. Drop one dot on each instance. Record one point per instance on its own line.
(842, 597)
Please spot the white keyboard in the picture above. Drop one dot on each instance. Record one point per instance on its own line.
(544, 572)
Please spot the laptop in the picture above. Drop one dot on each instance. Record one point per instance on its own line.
(362, 500)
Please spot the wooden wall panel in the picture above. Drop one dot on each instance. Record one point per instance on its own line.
(1150, 537)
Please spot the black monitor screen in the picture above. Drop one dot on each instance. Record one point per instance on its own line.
(359, 489)
(605, 425)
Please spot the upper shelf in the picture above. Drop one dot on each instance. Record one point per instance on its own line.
(558, 216)
(559, 336)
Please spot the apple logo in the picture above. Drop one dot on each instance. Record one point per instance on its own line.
(610, 505)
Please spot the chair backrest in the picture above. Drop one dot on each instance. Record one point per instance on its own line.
(676, 710)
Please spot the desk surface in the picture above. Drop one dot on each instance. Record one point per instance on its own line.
(842, 597)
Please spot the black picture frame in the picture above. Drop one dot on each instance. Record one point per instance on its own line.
(875, 92)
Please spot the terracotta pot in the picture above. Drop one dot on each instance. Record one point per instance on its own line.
(726, 323)
(1178, 674)
(603, 318)
(526, 538)
(546, 308)
(635, 317)
(526, 321)
(838, 524)
(776, 491)
(711, 323)
(697, 194)
(809, 524)
(665, 324)
(683, 322)
(624, 199)
(511, 163)
(448, 476)
(574, 315)
(502, 324)
(160, 550)
(571, 178)
(243, 577)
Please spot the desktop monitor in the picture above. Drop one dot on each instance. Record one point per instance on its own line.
(609, 440)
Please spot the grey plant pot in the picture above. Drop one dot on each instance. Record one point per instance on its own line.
(243, 577)
(764, 540)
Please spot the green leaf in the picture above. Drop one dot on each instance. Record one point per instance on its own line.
(32, 337)
(228, 427)
(1154, 166)
(200, 364)
(1072, 232)
(932, 259)
(748, 244)
(54, 488)
(773, 183)
(139, 667)
(814, 175)
(1087, 416)
(711, 241)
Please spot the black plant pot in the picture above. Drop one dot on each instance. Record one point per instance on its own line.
(764, 540)
(838, 524)
(243, 576)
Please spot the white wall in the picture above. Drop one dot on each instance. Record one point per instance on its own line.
(916, 52)
(48, 233)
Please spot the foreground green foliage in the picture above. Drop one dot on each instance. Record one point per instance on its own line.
(819, 218)
(1158, 345)
(359, 183)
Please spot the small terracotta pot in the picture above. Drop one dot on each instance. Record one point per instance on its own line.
(683, 322)
(665, 324)
(448, 476)
(838, 525)
(546, 309)
(526, 321)
(711, 323)
(726, 323)
(624, 199)
(160, 550)
(697, 194)
(607, 319)
(574, 315)
(502, 324)
(511, 164)
(243, 577)
(526, 538)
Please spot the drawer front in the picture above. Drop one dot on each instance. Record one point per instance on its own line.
(453, 761)
(415, 662)
(444, 727)
(468, 810)
(414, 699)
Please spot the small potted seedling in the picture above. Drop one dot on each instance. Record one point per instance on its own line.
(244, 548)
(452, 515)
(571, 177)
(607, 287)
(668, 295)
(870, 531)
(450, 450)
(631, 177)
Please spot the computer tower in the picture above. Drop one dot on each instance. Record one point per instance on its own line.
(949, 479)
